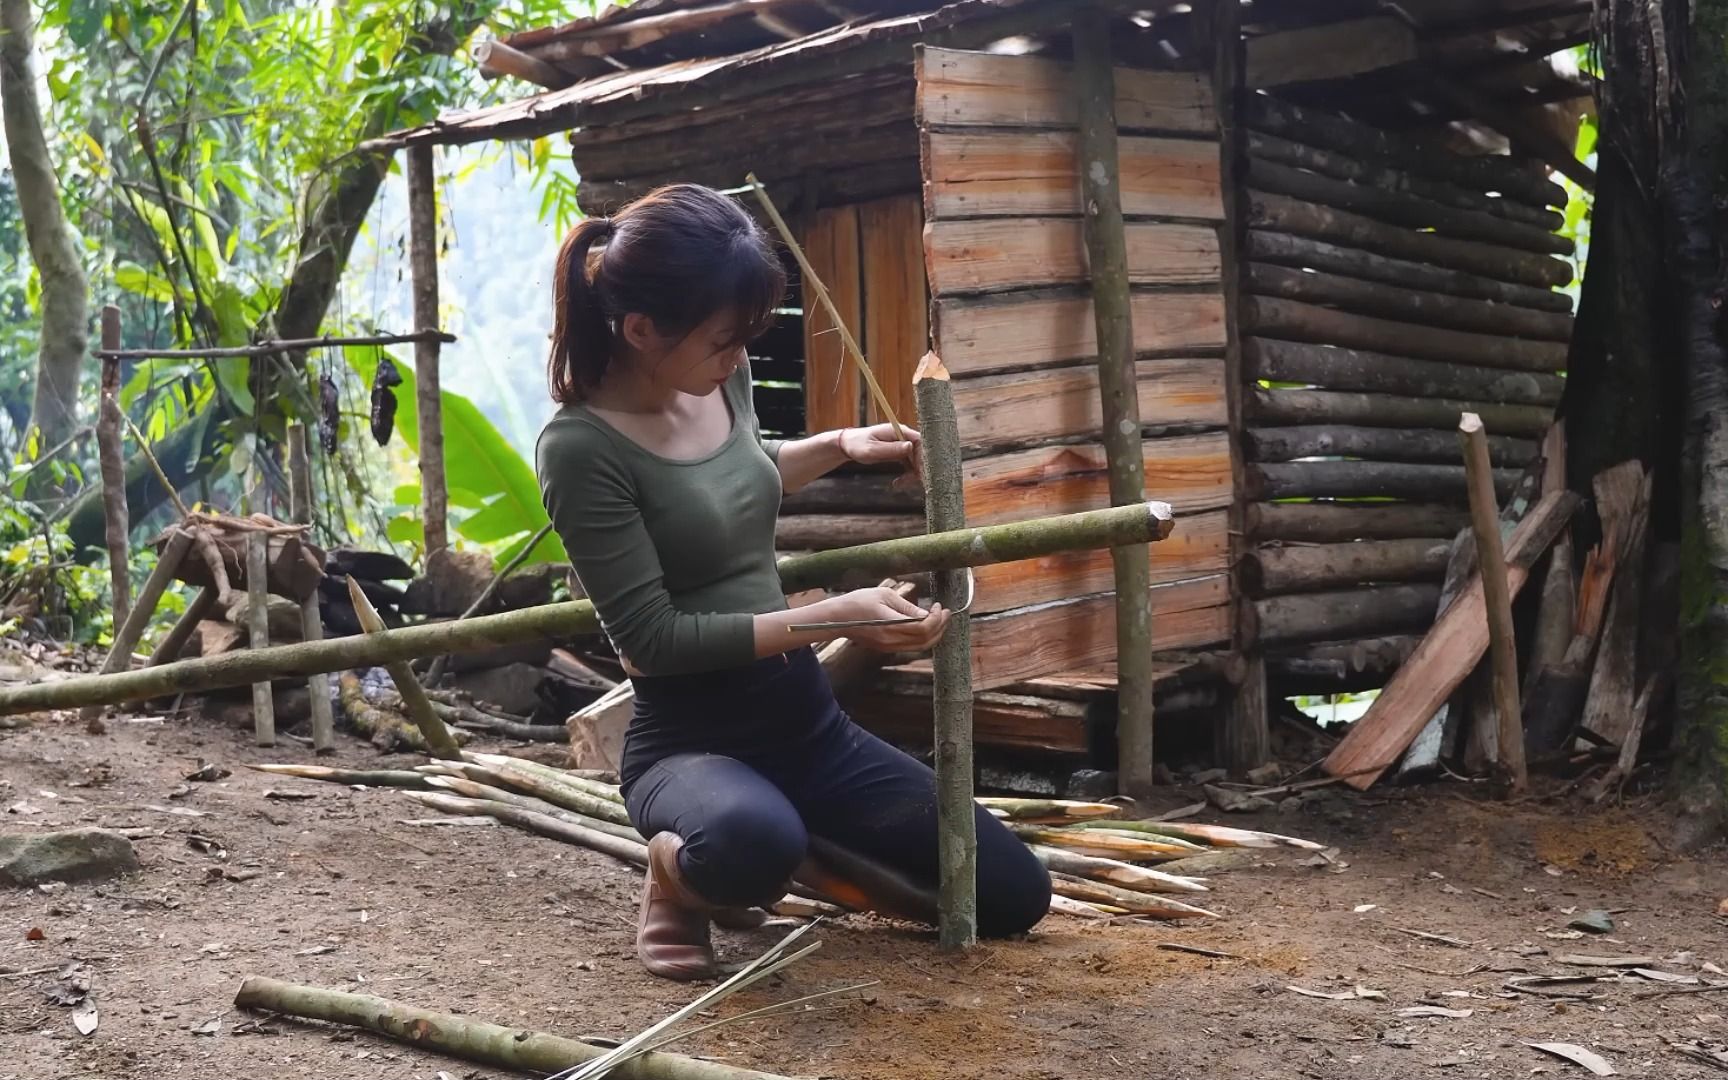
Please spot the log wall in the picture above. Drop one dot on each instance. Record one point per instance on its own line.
(1004, 257)
(1387, 288)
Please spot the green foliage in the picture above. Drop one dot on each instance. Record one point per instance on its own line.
(484, 474)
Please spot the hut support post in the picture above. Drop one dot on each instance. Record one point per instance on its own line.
(1245, 739)
(258, 618)
(112, 457)
(945, 509)
(423, 266)
(1491, 565)
(311, 620)
(1107, 252)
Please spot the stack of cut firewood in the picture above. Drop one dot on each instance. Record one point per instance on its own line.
(1101, 866)
(1574, 690)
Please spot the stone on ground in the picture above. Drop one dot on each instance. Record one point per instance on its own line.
(71, 855)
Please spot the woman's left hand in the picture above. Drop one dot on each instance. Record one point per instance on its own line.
(879, 444)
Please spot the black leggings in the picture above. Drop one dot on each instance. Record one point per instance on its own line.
(772, 760)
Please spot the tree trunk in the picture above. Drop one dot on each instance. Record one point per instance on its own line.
(53, 247)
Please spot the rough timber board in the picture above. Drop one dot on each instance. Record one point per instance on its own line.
(1010, 174)
(1030, 406)
(896, 308)
(1079, 634)
(1199, 545)
(832, 388)
(976, 337)
(991, 254)
(901, 714)
(975, 89)
(1190, 472)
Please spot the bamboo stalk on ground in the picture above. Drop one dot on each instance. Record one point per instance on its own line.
(568, 777)
(467, 1038)
(402, 778)
(1137, 903)
(1107, 845)
(1222, 836)
(630, 851)
(439, 742)
(1115, 872)
(984, 546)
(951, 697)
(467, 788)
(527, 783)
(1497, 593)
(1030, 810)
(1080, 909)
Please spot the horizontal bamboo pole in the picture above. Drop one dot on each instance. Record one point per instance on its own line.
(1377, 444)
(1408, 305)
(467, 1038)
(1330, 523)
(1302, 252)
(1288, 407)
(1361, 370)
(1146, 523)
(267, 348)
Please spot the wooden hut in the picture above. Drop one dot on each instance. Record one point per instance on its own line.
(1340, 231)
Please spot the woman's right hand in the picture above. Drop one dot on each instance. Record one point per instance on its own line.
(885, 603)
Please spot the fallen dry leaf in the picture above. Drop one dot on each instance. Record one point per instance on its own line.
(1577, 1055)
(35, 934)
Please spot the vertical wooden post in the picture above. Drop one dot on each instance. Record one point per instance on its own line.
(311, 622)
(1245, 739)
(258, 612)
(945, 509)
(1491, 564)
(111, 455)
(423, 266)
(1107, 252)
(126, 637)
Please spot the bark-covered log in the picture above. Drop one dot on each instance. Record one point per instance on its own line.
(1407, 305)
(1334, 368)
(1302, 252)
(1478, 172)
(423, 266)
(472, 1040)
(1331, 523)
(119, 658)
(1365, 479)
(1296, 407)
(1293, 320)
(111, 453)
(1327, 616)
(1284, 214)
(1273, 570)
(823, 532)
(497, 60)
(1341, 166)
(555, 622)
(1402, 209)
(1376, 444)
(1364, 659)
(951, 699)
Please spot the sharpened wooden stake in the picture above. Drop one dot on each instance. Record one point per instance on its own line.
(258, 633)
(311, 619)
(439, 742)
(1107, 257)
(1497, 594)
(956, 818)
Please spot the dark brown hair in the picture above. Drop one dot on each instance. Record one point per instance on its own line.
(677, 255)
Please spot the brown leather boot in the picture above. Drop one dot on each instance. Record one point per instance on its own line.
(672, 929)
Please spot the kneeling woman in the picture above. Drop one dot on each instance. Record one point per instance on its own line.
(739, 764)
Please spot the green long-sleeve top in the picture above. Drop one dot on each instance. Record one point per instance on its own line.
(677, 556)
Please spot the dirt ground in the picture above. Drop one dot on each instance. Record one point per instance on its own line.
(499, 925)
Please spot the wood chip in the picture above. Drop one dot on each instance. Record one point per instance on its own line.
(84, 1018)
(1184, 812)
(1436, 1010)
(1584, 960)
(1197, 950)
(1360, 992)
(1665, 976)
(1577, 1055)
(1456, 943)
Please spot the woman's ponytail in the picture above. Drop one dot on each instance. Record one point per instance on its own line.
(678, 255)
(581, 329)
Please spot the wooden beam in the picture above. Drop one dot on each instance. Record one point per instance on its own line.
(1354, 295)
(996, 254)
(1299, 568)
(1324, 616)
(1334, 50)
(1112, 310)
(1371, 372)
(1199, 546)
(1327, 523)
(1014, 174)
(498, 60)
(896, 306)
(979, 89)
(428, 402)
(980, 336)
(1191, 472)
(833, 391)
(1376, 444)
(999, 412)
(1296, 407)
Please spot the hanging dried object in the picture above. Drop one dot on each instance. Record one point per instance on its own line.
(384, 400)
(329, 412)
